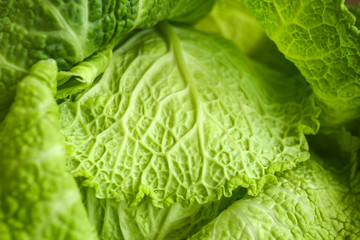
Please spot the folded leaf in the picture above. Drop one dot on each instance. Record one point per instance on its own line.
(39, 199)
(83, 74)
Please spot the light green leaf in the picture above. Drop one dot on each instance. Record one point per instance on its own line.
(320, 37)
(246, 32)
(237, 24)
(39, 199)
(317, 200)
(183, 116)
(118, 220)
(83, 74)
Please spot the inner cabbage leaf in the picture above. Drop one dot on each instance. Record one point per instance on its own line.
(184, 116)
(246, 32)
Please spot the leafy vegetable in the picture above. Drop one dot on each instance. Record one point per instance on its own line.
(118, 220)
(321, 39)
(318, 200)
(165, 121)
(168, 119)
(39, 199)
(70, 31)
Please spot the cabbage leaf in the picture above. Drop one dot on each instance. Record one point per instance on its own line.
(71, 31)
(182, 116)
(317, 200)
(39, 199)
(175, 119)
(321, 38)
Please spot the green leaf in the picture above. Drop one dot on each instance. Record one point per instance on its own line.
(119, 220)
(70, 31)
(246, 32)
(317, 200)
(237, 24)
(182, 116)
(39, 199)
(83, 74)
(321, 39)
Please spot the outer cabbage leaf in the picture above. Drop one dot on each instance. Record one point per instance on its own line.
(70, 31)
(184, 116)
(320, 38)
(119, 220)
(39, 199)
(317, 200)
(246, 32)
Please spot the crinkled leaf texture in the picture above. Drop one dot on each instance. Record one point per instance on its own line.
(70, 31)
(39, 199)
(321, 39)
(183, 116)
(317, 200)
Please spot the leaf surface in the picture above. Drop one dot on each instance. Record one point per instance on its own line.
(321, 38)
(39, 198)
(71, 31)
(183, 116)
(317, 200)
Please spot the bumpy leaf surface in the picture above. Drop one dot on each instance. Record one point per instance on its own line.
(320, 37)
(70, 31)
(183, 116)
(39, 199)
(314, 201)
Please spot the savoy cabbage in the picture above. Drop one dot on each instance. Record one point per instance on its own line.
(179, 119)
